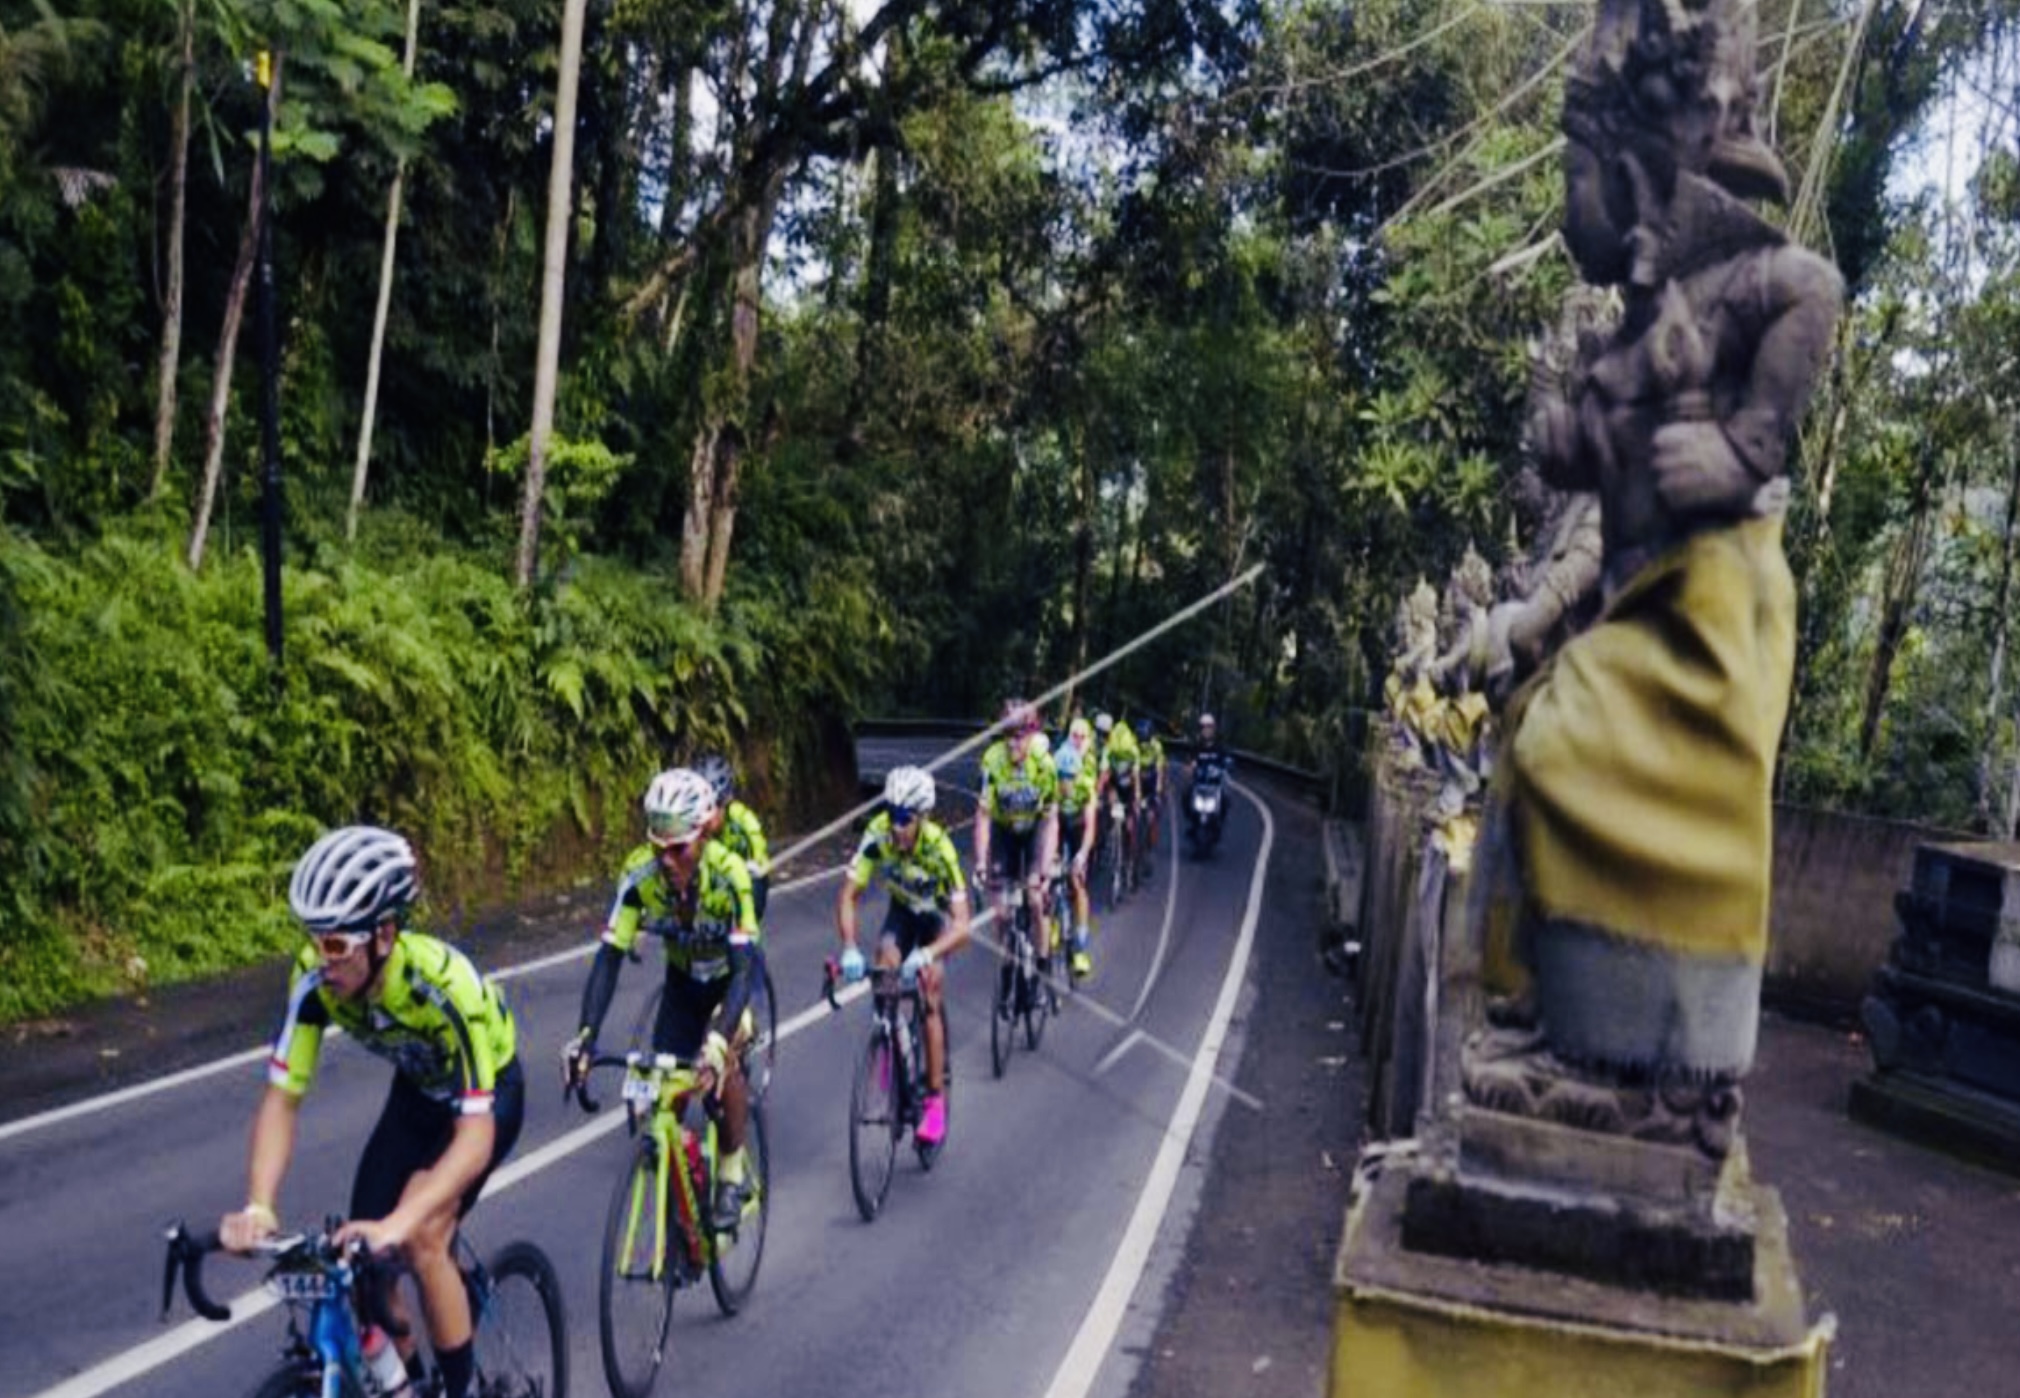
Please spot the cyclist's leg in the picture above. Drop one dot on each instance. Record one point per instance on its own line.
(1032, 879)
(920, 929)
(410, 1135)
(1072, 833)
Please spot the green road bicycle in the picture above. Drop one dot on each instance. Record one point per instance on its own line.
(658, 1236)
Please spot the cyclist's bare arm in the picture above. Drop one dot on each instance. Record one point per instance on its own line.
(271, 1149)
(956, 935)
(845, 910)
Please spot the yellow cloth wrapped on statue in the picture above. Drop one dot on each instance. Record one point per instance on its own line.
(1640, 760)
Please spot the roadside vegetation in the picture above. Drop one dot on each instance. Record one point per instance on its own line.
(905, 355)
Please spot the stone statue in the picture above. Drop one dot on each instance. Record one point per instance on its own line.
(1412, 702)
(1636, 773)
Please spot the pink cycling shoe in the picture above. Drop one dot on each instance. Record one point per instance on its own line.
(933, 1120)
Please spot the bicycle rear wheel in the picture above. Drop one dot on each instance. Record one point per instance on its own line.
(760, 1056)
(522, 1330)
(296, 1379)
(633, 1308)
(735, 1269)
(873, 1124)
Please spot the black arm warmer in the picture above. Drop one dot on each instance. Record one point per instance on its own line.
(601, 986)
(746, 972)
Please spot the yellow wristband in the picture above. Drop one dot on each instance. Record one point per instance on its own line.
(263, 1212)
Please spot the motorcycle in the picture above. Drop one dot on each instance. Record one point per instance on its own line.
(1204, 811)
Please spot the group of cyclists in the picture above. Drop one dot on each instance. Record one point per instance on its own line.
(699, 883)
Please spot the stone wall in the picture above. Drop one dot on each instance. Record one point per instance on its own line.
(1832, 918)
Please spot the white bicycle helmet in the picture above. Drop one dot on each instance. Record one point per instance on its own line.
(909, 789)
(354, 878)
(1206, 722)
(1103, 722)
(678, 806)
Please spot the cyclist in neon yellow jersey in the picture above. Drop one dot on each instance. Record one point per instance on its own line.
(1150, 777)
(919, 865)
(696, 895)
(1121, 761)
(458, 1096)
(1017, 816)
(738, 826)
(1079, 800)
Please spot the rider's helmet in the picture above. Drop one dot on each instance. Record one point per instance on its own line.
(1206, 725)
(1066, 760)
(714, 769)
(1143, 729)
(1103, 721)
(353, 879)
(1079, 733)
(678, 807)
(908, 791)
(1019, 717)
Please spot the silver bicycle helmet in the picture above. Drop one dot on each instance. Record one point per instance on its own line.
(909, 789)
(353, 878)
(678, 806)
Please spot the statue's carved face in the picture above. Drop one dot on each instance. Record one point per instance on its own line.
(1598, 213)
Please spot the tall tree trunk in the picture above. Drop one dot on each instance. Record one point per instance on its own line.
(227, 345)
(1083, 554)
(734, 443)
(385, 304)
(171, 301)
(1904, 574)
(547, 359)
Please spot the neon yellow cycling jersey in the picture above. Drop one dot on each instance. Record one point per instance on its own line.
(744, 833)
(1018, 794)
(1075, 794)
(431, 1015)
(699, 927)
(1120, 754)
(1153, 753)
(924, 878)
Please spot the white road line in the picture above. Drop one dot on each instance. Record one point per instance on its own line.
(257, 1301)
(201, 1071)
(1077, 1371)
(1114, 1055)
(1163, 933)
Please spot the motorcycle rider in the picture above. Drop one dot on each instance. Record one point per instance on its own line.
(1210, 763)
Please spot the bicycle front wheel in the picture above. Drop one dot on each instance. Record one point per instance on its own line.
(760, 1057)
(633, 1307)
(1002, 1017)
(734, 1271)
(873, 1125)
(522, 1331)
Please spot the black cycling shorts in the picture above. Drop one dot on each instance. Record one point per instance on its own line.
(1013, 854)
(685, 1010)
(911, 928)
(1149, 781)
(414, 1130)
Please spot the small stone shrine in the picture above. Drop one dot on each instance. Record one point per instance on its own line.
(1943, 1017)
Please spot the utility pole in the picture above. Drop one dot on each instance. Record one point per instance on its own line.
(270, 372)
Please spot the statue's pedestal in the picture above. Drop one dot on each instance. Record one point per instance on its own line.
(1416, 1324)
(1608, 1209)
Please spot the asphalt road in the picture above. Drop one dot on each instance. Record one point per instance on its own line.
(977, 1279)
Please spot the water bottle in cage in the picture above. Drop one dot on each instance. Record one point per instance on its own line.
(384, 1368)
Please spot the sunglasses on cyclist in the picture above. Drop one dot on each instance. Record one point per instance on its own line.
(335, 946)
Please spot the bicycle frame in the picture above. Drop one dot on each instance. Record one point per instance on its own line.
(663, 1085)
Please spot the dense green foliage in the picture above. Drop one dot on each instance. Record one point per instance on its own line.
(913, 353)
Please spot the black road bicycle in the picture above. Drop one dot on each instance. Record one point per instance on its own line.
(1021, 992)
(888, 1095)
